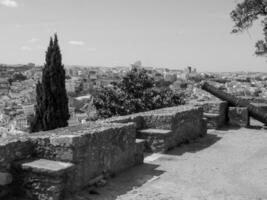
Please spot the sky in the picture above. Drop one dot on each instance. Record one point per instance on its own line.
(160, 33)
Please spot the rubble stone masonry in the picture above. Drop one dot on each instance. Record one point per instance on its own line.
(94, 149)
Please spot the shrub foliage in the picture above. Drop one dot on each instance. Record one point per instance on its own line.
(136, 92)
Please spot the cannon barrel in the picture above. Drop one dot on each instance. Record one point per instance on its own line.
(254, 111)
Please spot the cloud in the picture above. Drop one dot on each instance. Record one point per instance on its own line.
(78, 43)
(220, 16)
(180, 32)
(9, 3)
(91, 49)
(33, 40)
(25, 48)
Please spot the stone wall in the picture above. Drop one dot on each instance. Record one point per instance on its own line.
(254, 99)
(238, 116)
(94, 148)
(185, 122)
(98, 148)
(215, 112)
(12, 149)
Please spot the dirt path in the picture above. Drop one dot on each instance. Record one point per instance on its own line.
(224, 165)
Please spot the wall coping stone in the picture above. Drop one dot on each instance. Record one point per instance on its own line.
(169, 111)
(49, 167)
(75, 136)
(155, 131)
(259, 104)
(211, 115)
(13, 139)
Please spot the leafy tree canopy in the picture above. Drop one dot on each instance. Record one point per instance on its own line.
(136, 92)
(245, 14)
(17, 77)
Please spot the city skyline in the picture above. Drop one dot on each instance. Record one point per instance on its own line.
(173, 34)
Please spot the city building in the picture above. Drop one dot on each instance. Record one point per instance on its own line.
(4, 86)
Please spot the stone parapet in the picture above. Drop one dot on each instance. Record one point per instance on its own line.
(238, 116)
(94, 148)
(97, 148)
(215, 113)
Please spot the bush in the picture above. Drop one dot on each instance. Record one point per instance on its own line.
(17, 77)
(136, 92)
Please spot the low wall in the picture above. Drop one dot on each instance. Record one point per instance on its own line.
(94, 148)
(254, 99)
(185, 122)
(12, 149)
(215, 111)
(97, 148)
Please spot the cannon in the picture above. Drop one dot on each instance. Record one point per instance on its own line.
(253, 110)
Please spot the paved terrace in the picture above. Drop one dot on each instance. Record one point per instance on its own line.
(229, 164)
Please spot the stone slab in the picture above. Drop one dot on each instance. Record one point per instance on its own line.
(211, 115)
(47, 166)
(213, 120)
(139, 141)
(155, 131)
(157, 140)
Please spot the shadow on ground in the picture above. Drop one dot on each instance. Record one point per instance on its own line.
(137, 176)
(256, 127)
(196, 145)
(121, 184)
(229, 127)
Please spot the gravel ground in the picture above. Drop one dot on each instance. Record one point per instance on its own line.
(224, 165)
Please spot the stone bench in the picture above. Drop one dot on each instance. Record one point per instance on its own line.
(5, 181)
(44, 179)
(213, 120)
(238, 116)
(215, 112)
(156, 140)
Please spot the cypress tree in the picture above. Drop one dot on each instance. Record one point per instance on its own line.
(51, 110)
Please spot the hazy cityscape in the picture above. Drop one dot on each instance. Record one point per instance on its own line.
(17, 87)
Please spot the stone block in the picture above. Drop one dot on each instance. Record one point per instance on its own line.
(139, 151)
(157, 140)
(158, 132)
(238, 116)
(213, 120)
(47, 167)
(5, 178)
(40, 187)
(216, 112)
(45, 179)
